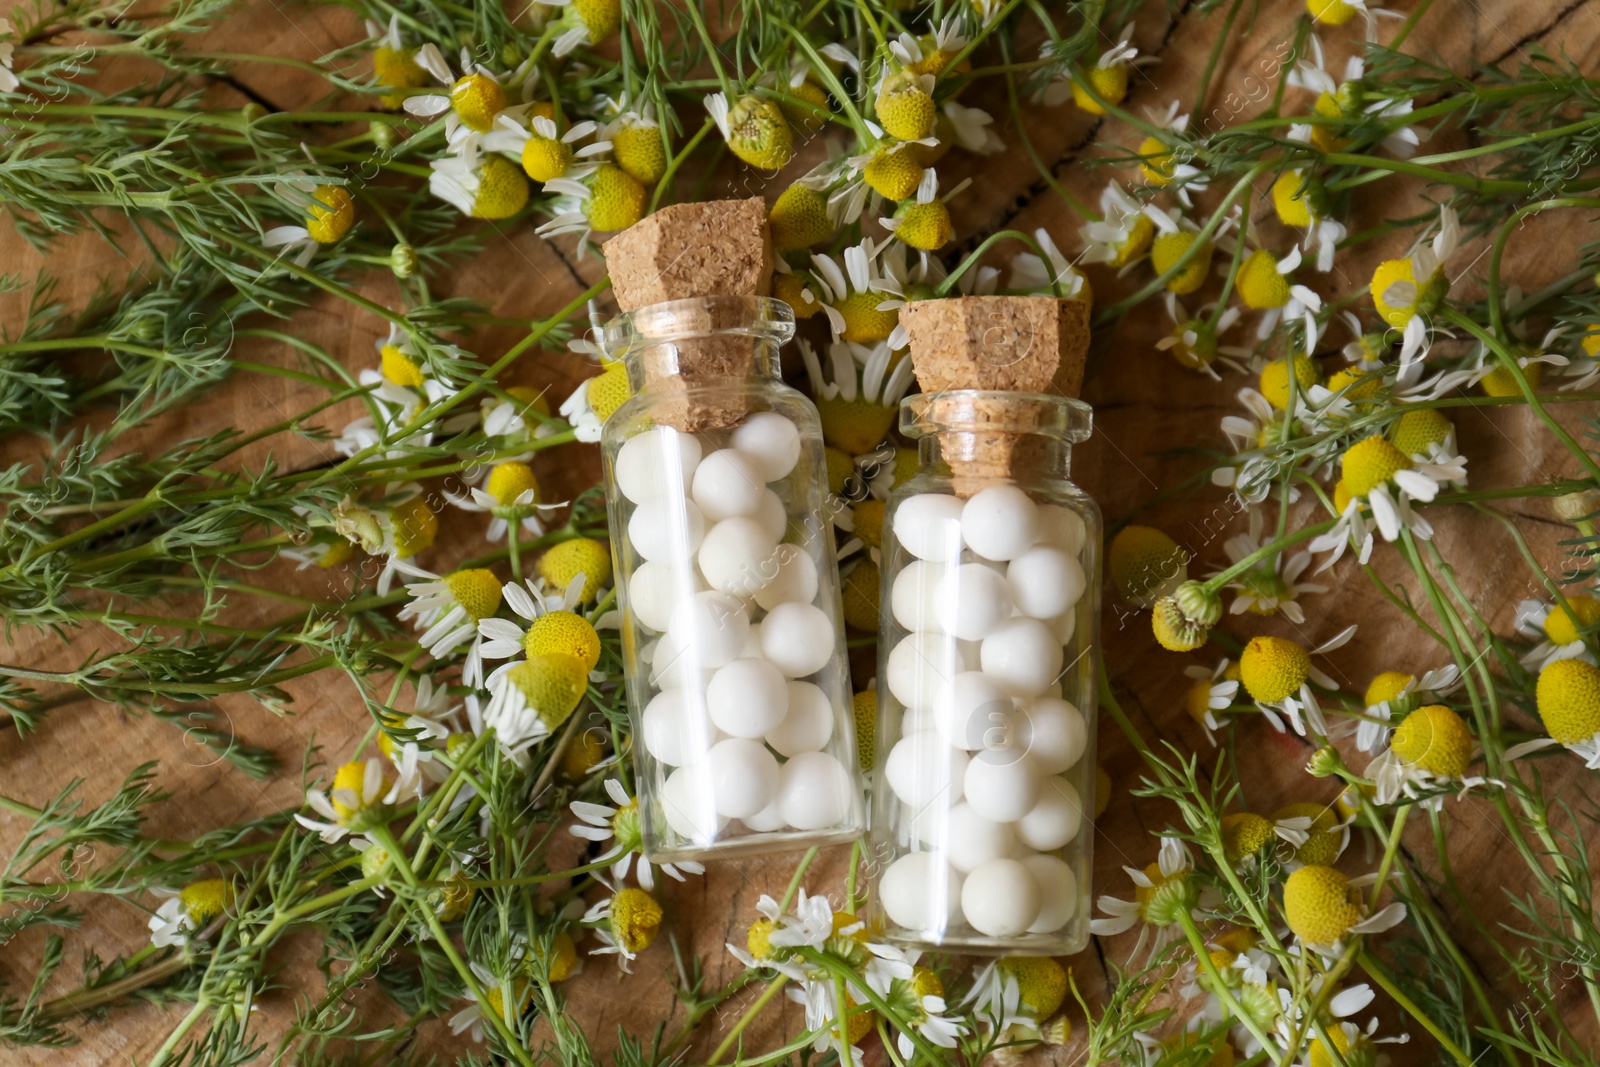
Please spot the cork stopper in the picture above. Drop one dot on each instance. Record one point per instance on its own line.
(1029, 345)
(696, 271)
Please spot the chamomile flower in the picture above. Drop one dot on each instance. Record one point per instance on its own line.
(1568, 699)
(578, 568)
(1432, 747)
(1495, 378)
(448, 611)
(1379, 477)
(1254, 475)
(415, 758)
(1176, 238)
(530, 699)
(330, 212)
(1407, 292)
(601, 822)
(1264, 285)
(478, 183)
(1213, 692)
(352, 804)
(635, 139)
(1108, 77)
(499, 997)
(1162, 891)
(1558, 630)
(904, 104)
(1277, 673)
(858, 392)
(924, 223)
(408, 528)
(553, 626)
(607, 199)
(1193, 340)
(850, 296)
(187, 911)
(393, 64)
(1323, 908)
(474, 99)
(1297, 198)
(1584, 372)
(1053, 275)
(1349, 102)
(754, 128)
(1339, 12)
(1013, 997)
(626, 924)
(935, 51)
(546, 153)
(585, 22)
(1393, 693)
(1159, 161)
(1123, 232)
(1272, 585)
(521, 416)
(593, 401)
(510, 494)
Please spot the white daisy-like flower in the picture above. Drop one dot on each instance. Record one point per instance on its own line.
(601, 822)
(1157, 912)
(448, 611)
(1255, 475)
(185, 912)
(326, 206)
(840, 286)
(520, 508)
(1183, 177)
(1411, 300)
(1487, 362)
(428, 105)
(625, 924)
(1390, 506)
(858, 372)
(1535, 619)
(783, 963)
(1030, 273)
(1373, 732)
(1122, 219)
(417, 766)
(1273, 585)
(996, 996)
(355, 796)
(1219, 694)
(503, 998)
(1303, 304)
(1312, 75)
(1301, 707)
(509, 136)
(1195, 338)
(503, 638)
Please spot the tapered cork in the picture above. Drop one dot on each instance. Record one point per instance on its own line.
(721, 248)
(1015, 344)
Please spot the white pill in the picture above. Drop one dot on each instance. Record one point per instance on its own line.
(673, 667)
(1063, 626)
(743, 776)
(921, 666)
(929, 526)
(793, 576)
(771, 515)
(1000, 522)
(808, 724)
(972, 601)
(675, 727)
(656, 461)
(747, 698)
(920, 892)
(975, 713)
(752, 643)
(1023, 656)
(1058, 893)
(974, 840)
(923, 769)
(667, 529)
(689, 805)
(912, 600)
(815, 791)
(710, 628)
(1062, 528)
(1054, 818)
(1044, 581)
(728, 483)
(797, 638)
(1053, 733)
(914, 719)
(928, 825)
(1002, 785)
(1000, 898)
(736, 556)
(766, 820)
(772, 441)
(655, 588)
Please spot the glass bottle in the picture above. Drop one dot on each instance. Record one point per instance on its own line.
(732, 630)
(983, 789)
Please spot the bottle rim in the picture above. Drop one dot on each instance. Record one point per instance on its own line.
(1063, 418)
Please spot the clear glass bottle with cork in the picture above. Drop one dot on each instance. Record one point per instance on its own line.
(732, 629)
(984, 780)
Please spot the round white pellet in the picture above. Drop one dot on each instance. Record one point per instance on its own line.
(743, 776)
(689, 805)
(655, 588)
(771, 515)
(974, 840)
(1055, 817)
(766, 820)
(1000, 898)
(972, 601)
(736, 556)
(1002, 786)
(815, 791)
(667, 529)
(808, 724)
(747, 698)
(1062, 528)
(1023, 656)
(656, 462)
(772, 441)
(1000, 522)
(927, 825)
(923, 769)
(671, 667)
(1058, 893)
(913, 597)
(752, 643)
(728, 483)
(1063, 626)
(914, 719)
(793, 577)
(1044, 581)
(675, 727)
(921, 666)
(973, 711)
(710, 627)
(920, 892)
(929, 526)
(1053, 733)
(797, 638)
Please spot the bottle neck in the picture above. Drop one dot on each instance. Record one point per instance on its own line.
(701, 341)
(1024, 457)
(980, 437)
(713, 359)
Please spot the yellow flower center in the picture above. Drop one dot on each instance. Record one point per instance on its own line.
(1387, 686)
(1197, 701)
(805, 119)
(864, 711)
(331, 214)
(638, 150)
(601, 18)
(863, 322)
(1111, 83)
(477, 99)
(1274, 383)
(799, 218)
(855, 426)
(1289, 199)
(893, 175)
(400, 368)
(583, 754)
(790, 287)
(1568, 697)
(1415, 432)
(608, 390)
(924, 226)
(869, 522)
(1273, 668)
(1565, 625)
(1168, 248)
(1326, 838)
(502, 189)
(1317, 904)
(546, 158)
(476, 590)
(1370, 463)
(565, 633)
(1260, 285)
(562, 960)
(635, 918)
(552, 684)
(451, 899)
(1244, 834)
(905, 111)
(415, 526)
(616, 199)
(397, 68)
(759, 938)
(581, 555)
(1141, 232)
(860, 594)
(1501, 382)
(206, 899)
(1155, 161)
(1143, 562)
(1330, 12)
(1041, 983)
(509, 481)
(759, 134)
(1434, 738)
(350, 778)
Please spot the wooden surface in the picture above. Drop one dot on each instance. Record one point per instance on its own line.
(1149, 414)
